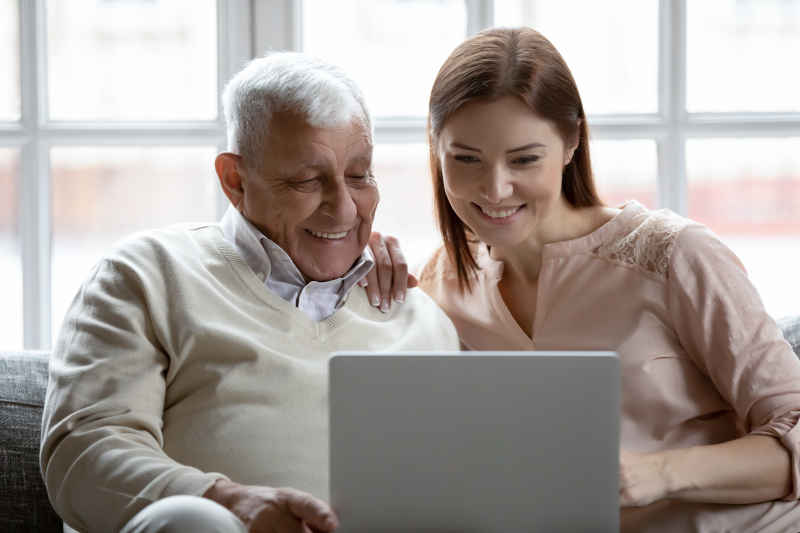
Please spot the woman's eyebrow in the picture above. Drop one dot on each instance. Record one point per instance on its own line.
(518, 149)
(526, 147)
(464, 146)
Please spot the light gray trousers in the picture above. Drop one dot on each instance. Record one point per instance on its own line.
(181, 514)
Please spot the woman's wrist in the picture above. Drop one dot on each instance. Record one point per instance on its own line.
(678, 472)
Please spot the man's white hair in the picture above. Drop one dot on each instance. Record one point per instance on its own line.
(287, 81)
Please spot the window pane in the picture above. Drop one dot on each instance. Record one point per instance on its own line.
(741, 55)
(10, 252)
(748, 192)
(391, 48)
(625, 170)
(130, 61)
(9, 61)
(406, 207)
(614, 61)
(101, 194)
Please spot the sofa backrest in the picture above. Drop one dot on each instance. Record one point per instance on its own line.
(23, 500)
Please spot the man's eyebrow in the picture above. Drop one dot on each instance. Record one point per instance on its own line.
(361, 159)
(292, 172)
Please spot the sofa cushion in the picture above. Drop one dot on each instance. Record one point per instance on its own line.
(23, 500)
(791, 330)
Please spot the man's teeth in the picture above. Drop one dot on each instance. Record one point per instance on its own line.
(322, 235)
(499, 213)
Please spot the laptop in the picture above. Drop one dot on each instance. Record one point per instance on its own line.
(474, 441)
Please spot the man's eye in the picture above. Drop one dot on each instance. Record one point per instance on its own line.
(361, 179)
(524, 160)
(305, 185)
(466, 158)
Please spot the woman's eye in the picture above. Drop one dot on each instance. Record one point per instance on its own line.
(466, 158)
(524, 160)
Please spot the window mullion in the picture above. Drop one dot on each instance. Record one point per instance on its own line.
(673, 189)
(480, 15)
(235, 43)
(277, 25)
(34, 199)
(234, 40)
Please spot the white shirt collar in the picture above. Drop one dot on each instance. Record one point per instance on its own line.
(318, 299)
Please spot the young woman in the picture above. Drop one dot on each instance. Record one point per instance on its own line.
(534, 260)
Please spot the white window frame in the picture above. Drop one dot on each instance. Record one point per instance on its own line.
(251, 27)
(34, 136)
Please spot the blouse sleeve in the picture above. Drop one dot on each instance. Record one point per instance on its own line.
(722, 324)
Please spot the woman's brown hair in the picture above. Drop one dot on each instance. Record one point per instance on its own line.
(502, 62)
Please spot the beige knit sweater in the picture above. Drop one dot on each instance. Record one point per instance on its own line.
(175, 366)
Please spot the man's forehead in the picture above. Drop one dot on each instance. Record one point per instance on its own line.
(294, 133)
(295, 122)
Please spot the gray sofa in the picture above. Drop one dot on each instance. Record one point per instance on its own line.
(24, 506)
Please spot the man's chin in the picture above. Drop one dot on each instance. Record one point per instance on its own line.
(327, 268)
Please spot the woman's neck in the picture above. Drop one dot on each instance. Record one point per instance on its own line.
(523, 261)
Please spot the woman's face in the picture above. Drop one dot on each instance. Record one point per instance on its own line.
(502, 168)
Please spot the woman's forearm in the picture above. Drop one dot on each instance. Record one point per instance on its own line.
(751, 469)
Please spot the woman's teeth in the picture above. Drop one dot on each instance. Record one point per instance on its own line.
(322, 235)
(499, 213)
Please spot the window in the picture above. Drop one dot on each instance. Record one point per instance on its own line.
(115, 131)
(9, 61)
(10, 251)
(692, 106)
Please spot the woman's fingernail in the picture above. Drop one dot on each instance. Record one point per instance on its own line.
(375, 301)
(385, 306)
(401, 297)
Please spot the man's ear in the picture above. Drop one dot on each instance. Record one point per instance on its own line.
(230, 174)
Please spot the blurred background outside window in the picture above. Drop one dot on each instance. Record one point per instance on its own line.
(121, 130)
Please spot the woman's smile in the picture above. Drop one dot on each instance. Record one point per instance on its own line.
(499, 215)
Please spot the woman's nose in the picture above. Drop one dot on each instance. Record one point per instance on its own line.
(497, 186)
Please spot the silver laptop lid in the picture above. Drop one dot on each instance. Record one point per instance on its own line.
(475, 441)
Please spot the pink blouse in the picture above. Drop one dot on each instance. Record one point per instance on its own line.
(701, 360)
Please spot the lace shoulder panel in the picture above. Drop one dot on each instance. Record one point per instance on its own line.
(437, 267)
(648, 243)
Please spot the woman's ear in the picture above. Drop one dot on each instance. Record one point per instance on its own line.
(229, 171)
(573, 143)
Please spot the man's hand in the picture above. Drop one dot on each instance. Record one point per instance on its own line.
(389, 279)
(266, 509)
(643, 478)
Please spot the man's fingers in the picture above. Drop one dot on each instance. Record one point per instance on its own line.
(314, 512)
(373, 292)
(399, 269)
(383, 266)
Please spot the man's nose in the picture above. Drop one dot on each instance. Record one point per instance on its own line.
(497, 186)
(338, 203)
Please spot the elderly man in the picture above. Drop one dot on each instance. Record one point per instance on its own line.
(193, 360)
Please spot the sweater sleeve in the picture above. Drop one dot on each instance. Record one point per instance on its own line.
(101, 452)
(721, 322)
